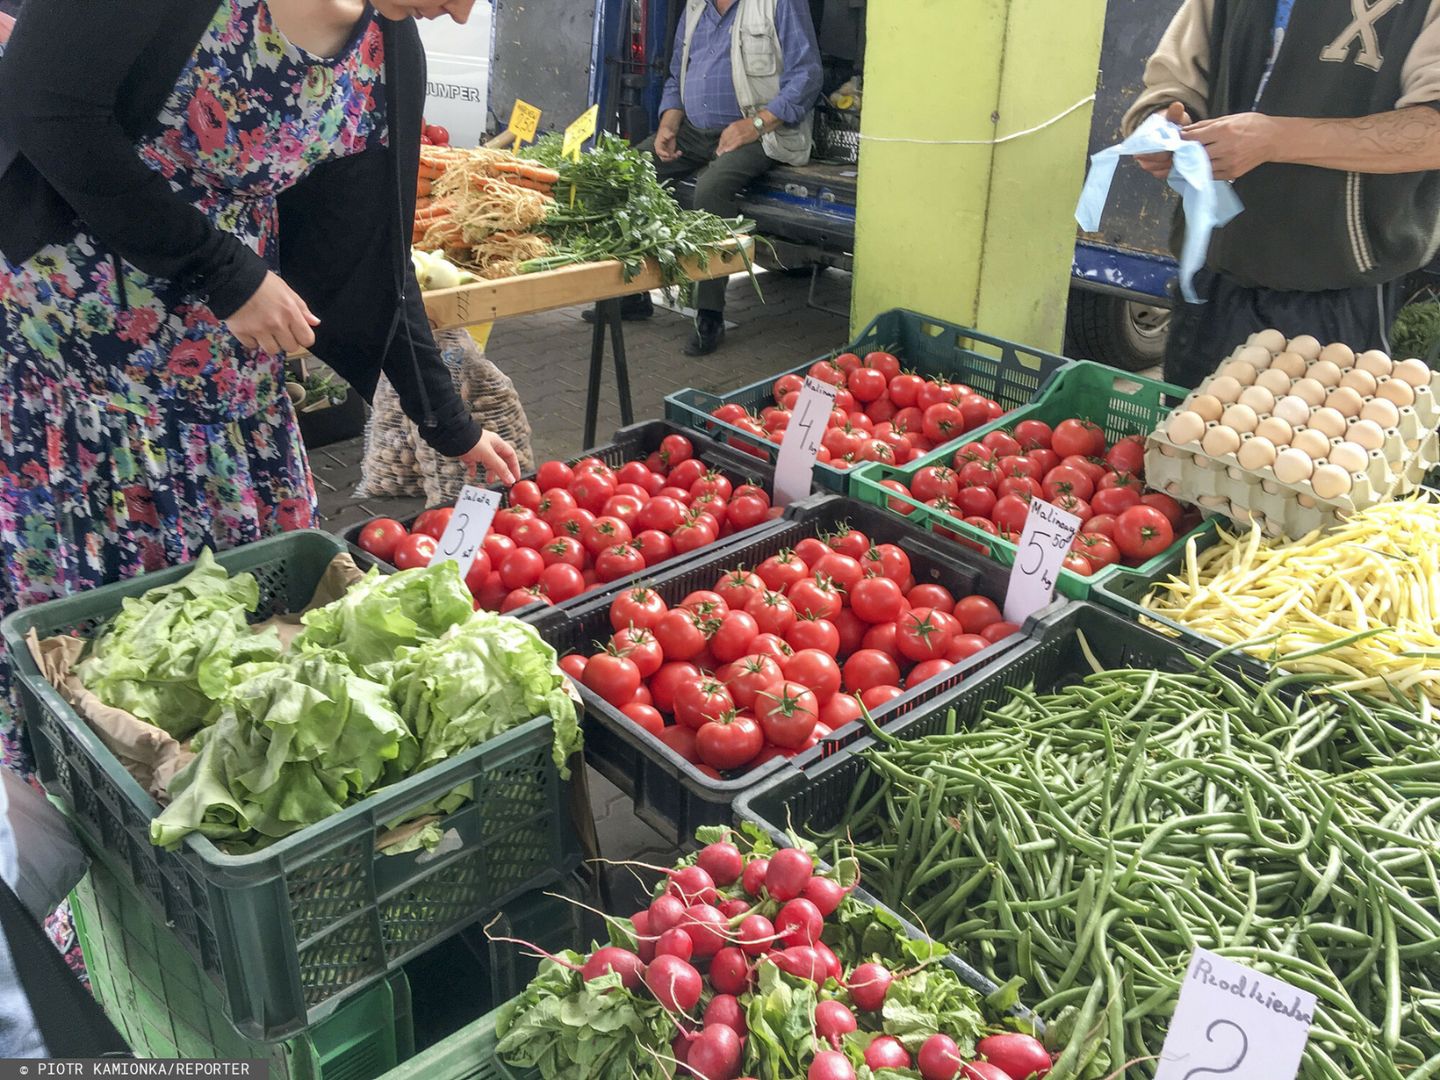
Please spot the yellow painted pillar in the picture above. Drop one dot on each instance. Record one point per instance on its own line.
(948, 223)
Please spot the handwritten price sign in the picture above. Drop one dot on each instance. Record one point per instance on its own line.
(1235, 1022)
(579, 131)
(474, 511)
(795, 466)
(1044, 544)
(524, 122)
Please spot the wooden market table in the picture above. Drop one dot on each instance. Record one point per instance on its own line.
(602, 284)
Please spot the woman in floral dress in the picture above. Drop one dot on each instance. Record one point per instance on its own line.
(145, 313)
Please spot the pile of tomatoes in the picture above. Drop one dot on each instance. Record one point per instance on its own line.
(575, 527)
(990, 482)
(770, 660)
(881, 413)
(434, 135)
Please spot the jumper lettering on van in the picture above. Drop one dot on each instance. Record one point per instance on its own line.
(454, 91)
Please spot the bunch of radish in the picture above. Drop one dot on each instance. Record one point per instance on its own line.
(881, 413)
(990, 482)
(701, 942)
(575, 527)
(773, 658)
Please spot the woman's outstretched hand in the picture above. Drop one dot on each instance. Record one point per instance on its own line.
(274, 319)
(496, 457)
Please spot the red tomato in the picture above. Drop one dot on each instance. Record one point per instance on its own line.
(645, 716)
(525, 493)
(788, 714)
(975, 502)
(698, 701)
(1172, 510)
(787, 384)
(881, 636)
(1099, 551)
(771, 645)
(894, 563)
(614, 678)
(1078, 564)
(433, 522)
(851, 629)
(1033, 435)
(1019, 465)
(1046, 459)
(381, 537)
(414, 551)
(641, 647)
(933, 481)
(533, 533)
(972, 451)
(810, 550)
(592, 490)
(733, 637)
(1010, 513)
(654, 546)
(694, 535)
(927, 670)
(603, 533)
(974, 411)
(574, 665)
(555, 504)
(667, 680)
(519, 598)
(1077, 506)
(492, 593)
(1142, 532)
(564, 549)
(877, 600)
(815, 597)
(1001, 443)
(920, 636)
(729, 741)
(840, 710)
(561, 582)
(878, 696)
(640, 606)
(1077, 437)
(931, 596)
(999, 631)
(1121, 480)
(705, 602)
(980, 473)
(438, 135)
(617, 562)
(682, 741)
(1114, 500)
(828, 371)
(553, 474)
(624, 507)
(676, 449)
(1127, 455)
(1092, 467)
(736, 587)
(1025, 486)
(870, 667)
(904, 389)
(570, 522)
(747, 511)
(478, 572)
(779, 572)
(773, 612)
(815, 669)
(521, 568)
(964, 646)
(943, 422)
(681, 634)
(810, 633)
(975, 613)
(1067, 480)
(866, 384)
(885, 363)
(750, 675)
(844, 570)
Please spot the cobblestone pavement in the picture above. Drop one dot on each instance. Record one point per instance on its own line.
(547, 356)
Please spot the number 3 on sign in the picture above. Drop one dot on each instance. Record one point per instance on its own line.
(795, 466)
(1044, 544)
(474, 511)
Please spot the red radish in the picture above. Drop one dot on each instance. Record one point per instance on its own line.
(715, 1054)
(730, 971)
(675, 942)
(801, 961)
(623, 962)
(707, 929)
(982, 1070)
(726, 1009)
(940, 1058)
(675, 984)
(733, 909)
(825, 894)
(833, 1021)
(833, 968)
(666, 912)
(887, 1052)
(800, 923)
(722, 862)
(1019, 1056)
(830, 1065)
(645, 943)
(754, 875)
(756, 934)
(693, 885)
(868, 986)
(789, 870)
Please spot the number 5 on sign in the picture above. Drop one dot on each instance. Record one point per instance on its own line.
(795, 466)
(474, 511)
(1044, 544)
(524, 122)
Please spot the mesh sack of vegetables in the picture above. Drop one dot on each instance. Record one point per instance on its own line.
(493, 402)
(390, 465)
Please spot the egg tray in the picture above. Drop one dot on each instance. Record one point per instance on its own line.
(1218, 485)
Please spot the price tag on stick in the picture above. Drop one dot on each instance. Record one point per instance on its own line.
(524, 122)
(795, 466)
(474, 511)
(579, 131)
(1235, 1022)
(1043, 547)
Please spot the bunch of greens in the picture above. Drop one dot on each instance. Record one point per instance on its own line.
(167, 656)
(294, 743)
(621, 211)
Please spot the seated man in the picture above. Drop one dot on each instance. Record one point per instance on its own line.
(744, 77)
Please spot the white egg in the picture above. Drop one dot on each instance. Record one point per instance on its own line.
(1208, 406)
(1330, 481)
(1291, 363)
(1271, 341)
(1257, 398)
(1328, 421)
(1325, 372)
(1225, 388)
(1220, 440)
(1366, 433)
(1311, 442)
(1274, 380)
(1240, 418)
(1381, 411)
(1375, 362)
(1256, 453)
(1293, 410)
(1309, 391)
(1412, 371)
(1292, 466)
(1276, 430)
(1305, 345)
(1240, 371)
(1350, 456)
(1362, 382)
(1256, 356)
(1398, 391)
(1185, 427)
(1345, 400)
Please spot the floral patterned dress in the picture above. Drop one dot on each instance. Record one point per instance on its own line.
(134, 428)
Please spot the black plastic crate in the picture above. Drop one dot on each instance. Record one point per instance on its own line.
(671, 794)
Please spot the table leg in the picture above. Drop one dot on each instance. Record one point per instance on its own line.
(604, 311)
(622, 368)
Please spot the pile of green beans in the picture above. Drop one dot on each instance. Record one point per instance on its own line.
(1088, 839)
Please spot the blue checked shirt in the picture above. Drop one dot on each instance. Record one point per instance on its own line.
(710, 102)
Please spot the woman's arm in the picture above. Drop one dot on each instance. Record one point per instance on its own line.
(66, 64)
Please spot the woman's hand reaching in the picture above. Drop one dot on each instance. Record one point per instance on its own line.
(274, 319)
(496, 456)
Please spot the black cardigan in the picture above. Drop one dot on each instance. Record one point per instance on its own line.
(81, 80)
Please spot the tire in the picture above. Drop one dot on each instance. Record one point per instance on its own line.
(1109, 329)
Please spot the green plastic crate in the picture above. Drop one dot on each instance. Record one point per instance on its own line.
(1008, 373)
(290, 932)
(469, 1054)
(165, 1007)
(1120, 403)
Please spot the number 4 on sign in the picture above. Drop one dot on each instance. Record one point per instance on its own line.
(795, 465)
(474, 511)
(1044, 544)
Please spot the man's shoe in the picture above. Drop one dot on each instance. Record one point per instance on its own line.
(709, 333)
(632, 309)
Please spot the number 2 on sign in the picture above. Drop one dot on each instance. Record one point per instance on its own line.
(795, 465)
(1049, 531)
(524, 122)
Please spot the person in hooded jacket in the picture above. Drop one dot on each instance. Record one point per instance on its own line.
(190, 190)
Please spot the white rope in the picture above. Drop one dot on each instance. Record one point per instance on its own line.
(984, 142)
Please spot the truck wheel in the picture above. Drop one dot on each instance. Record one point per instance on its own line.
(1115, 331)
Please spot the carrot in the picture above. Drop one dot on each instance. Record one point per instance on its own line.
(424, 187)
(433, 212)
(535, 173)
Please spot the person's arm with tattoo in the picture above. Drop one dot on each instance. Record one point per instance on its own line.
(1400, 141)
